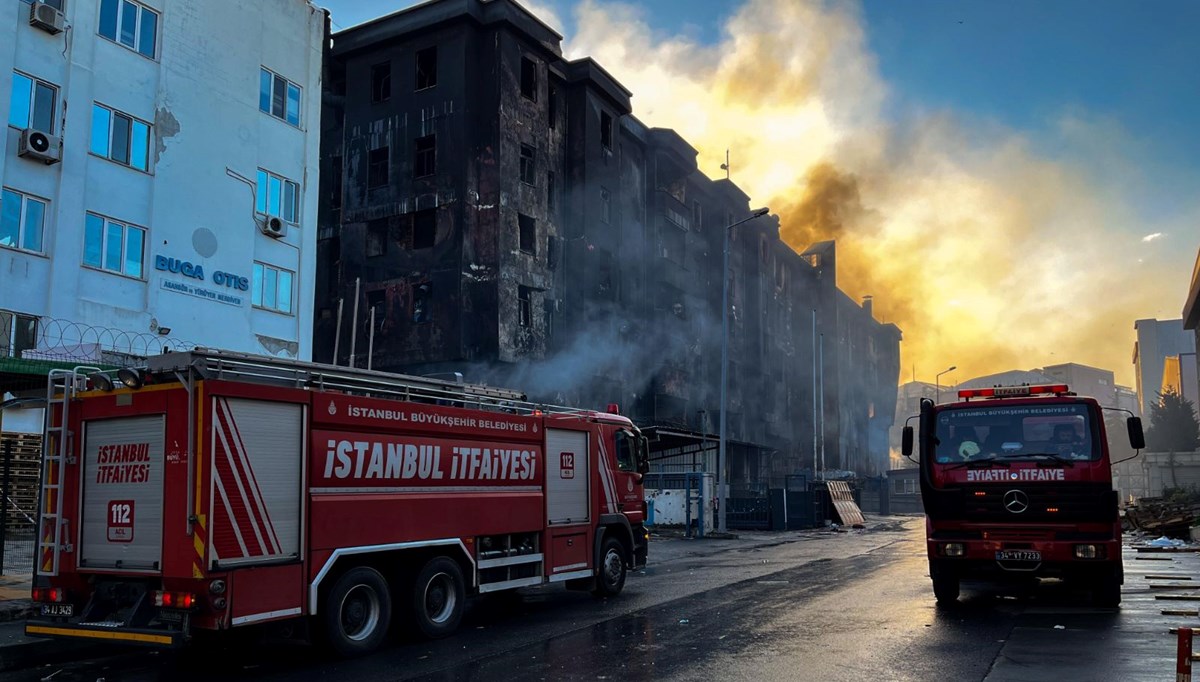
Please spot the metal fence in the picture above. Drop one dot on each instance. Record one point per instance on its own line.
(20, 459)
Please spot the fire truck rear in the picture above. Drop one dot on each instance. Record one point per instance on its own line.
(1016, 484)
(211, 490)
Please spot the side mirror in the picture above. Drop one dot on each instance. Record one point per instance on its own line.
(906, 442)
(643, 460)
(1137, 439)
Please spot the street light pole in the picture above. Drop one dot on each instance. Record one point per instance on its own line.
(721, 482)
(937, 383)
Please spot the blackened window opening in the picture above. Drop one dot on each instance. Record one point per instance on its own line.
(529, 79)
(528, 233)
(527, 165)
(525, 305)
(381, 82)
(425, 156)
(377, 167)
(422, 302)
(606, 124)
(426, 68)
(424, 228)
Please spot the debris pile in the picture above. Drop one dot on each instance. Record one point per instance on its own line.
(1172, 517)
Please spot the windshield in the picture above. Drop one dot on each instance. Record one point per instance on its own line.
(1015, 432)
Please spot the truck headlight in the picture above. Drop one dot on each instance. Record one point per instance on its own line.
(953, 549)
(1087, 552)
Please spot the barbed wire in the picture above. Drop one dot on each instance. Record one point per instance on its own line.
(64, 340)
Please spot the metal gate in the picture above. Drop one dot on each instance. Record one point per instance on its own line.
(748, 513)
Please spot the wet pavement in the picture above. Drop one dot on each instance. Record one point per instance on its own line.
(796, 606)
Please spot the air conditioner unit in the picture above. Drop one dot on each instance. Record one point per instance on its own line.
(46, 17)
(36, 144)
(273, 226)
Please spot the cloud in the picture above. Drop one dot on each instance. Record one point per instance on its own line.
(1151, 237)
(984, 248)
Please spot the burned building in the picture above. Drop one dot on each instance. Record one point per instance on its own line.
(497, 211)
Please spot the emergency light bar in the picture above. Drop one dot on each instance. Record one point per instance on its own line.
(1012, 391)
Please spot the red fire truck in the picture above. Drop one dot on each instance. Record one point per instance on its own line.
(1016, 485)
(211, 490)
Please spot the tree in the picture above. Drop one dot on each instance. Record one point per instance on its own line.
(1173, 425)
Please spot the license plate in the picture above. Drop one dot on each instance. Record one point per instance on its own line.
(58, 610)
(1018, 555)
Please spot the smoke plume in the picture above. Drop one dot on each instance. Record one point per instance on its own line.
(989, 254)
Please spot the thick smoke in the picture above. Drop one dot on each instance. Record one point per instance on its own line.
(989, 254)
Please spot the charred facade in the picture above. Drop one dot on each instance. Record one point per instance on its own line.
(504, 216)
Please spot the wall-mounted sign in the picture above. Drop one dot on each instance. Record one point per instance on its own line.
(188, 269)
(225, 281)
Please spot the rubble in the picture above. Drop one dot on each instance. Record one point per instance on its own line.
(1172, 517)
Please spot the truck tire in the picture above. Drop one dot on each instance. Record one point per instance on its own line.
(610, 568)
(945, 587)
(1106, 592)
(357, 612)
(438, 598)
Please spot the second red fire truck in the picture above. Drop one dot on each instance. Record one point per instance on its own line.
(212, 490)
(1017, 484)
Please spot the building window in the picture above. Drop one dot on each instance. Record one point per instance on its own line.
(114, 246)
(550, 190)
(381, 82)
(424, 229)
(605, 206)
(377, 167)
(131, 25)
(529, 79)
(426, 68)
(525, 306)
(697, 216)
(425, 156)
(527, 165)
(17, 333)
(279, 97)
(33, 103)
(376, 238)
(277, 196)
(422, 301)
(528, 229)
(606, 130)
(553, 104)
(271, 288)
(22, 221)
(120, 137)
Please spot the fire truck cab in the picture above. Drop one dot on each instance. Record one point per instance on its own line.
(212, 490)
(1017, 485)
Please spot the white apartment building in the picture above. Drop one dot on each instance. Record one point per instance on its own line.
(160, 174)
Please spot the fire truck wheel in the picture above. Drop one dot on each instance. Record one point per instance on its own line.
(945, 588)
(357, 612)
(1107, 592)
(610, 579)
(438, 598)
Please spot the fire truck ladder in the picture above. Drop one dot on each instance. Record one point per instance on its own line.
(61, 385)
(207, 363)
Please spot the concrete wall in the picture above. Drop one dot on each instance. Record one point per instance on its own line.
(201, 94)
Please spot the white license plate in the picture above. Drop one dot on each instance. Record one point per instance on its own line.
(1018, 555)
(58, 610)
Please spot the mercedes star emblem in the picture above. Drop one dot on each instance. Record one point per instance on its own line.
(1016, 501)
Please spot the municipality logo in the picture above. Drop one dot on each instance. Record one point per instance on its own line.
(332, 408)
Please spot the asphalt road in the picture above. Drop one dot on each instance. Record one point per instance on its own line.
(799, 606)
